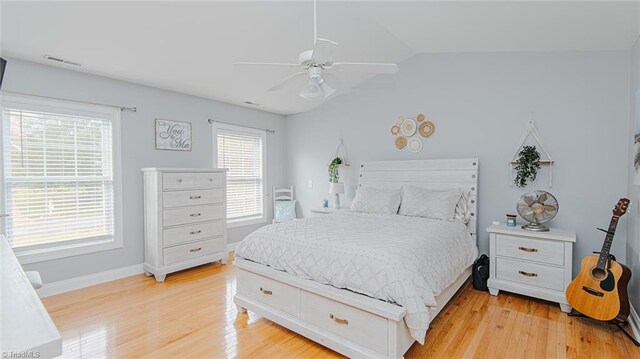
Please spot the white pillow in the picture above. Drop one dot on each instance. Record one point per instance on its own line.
(376, 200)
(436, 204)
(462, 209)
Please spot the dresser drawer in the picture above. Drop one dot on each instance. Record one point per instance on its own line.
(188, 233)
(268, 291)
(193, 250)
(348, 322)
(537, 250)
(538, 275)
(192, 198)
(178, 180)
(209, 180)
(195, 214)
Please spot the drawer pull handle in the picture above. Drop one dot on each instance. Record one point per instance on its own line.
(525, 249)
(195, 197)
(179, 180)
(195, 249)
(266, 292)
(339, 320)
(528, 274)
(195, 214)
(196, 232)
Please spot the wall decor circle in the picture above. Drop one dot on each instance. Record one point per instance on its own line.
(420, 117)
(401, 142)
(427, 129)
(408, 127)
(415, 145)
(395, 129)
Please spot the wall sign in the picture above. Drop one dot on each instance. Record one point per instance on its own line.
(173, 136)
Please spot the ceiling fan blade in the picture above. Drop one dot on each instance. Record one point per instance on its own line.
(287, 81)
(370, 67)
(242, 63)
(323, 50)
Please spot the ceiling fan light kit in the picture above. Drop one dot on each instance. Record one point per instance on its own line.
(317, 63)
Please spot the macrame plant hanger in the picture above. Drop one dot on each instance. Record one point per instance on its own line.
(531, 131)
(340, 152)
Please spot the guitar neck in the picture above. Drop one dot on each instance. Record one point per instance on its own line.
(606, 246)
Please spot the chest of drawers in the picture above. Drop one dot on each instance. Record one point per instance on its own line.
(184, 219)
(537, 264)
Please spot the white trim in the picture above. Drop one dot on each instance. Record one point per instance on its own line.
(34, 254)
(634, 322)
(67, 285)
(265, 181)
(232, 246)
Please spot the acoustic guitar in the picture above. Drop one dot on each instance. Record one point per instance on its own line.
(600, 289)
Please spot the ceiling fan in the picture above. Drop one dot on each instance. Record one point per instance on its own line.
(317, 66)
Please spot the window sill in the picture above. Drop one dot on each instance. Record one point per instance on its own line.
(245, 222)
(27, 255)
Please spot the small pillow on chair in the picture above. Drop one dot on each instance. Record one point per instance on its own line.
(284, 211)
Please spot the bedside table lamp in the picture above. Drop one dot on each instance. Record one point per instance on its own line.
(336, 189)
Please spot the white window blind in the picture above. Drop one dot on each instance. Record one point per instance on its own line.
(242, 154)
(58, 177)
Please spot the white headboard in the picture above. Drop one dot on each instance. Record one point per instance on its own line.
(436, 174)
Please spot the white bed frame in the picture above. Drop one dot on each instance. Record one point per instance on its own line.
(349, 323)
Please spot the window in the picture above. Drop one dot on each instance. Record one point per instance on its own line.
(60, 178)
(242, 151)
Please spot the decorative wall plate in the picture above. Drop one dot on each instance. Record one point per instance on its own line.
(401, 142)
(420, 117)
(415, 145)
(427, 129)
(408, 127)
(395, 129)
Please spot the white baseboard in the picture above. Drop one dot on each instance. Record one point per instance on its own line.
(67, 285)
(70, 284)
(232, 246)
(634, 323)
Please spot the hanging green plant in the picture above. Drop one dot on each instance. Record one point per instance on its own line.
(334, 175)
(528, 165)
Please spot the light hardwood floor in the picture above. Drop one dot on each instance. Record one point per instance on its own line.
(192, 315)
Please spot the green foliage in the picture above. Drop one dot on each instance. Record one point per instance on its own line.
(528, 165)
(334, 175)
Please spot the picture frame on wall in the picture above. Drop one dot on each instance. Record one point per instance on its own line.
(173, 135)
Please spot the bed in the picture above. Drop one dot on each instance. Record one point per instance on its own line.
(364, 285)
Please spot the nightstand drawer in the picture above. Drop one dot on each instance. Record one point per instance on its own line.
(538, 275)
(537, 250)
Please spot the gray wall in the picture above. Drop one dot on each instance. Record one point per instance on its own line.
(480, 104)
(138, 147)
(633, 235)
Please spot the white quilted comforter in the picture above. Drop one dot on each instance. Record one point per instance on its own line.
(399, 259)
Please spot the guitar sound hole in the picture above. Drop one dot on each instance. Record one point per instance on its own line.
(599, 274)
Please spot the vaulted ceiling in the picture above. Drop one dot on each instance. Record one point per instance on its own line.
(189, 47)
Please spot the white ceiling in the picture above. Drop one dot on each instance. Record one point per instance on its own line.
(189, 47)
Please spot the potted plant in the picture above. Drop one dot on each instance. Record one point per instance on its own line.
(527, 167)
(334, 175)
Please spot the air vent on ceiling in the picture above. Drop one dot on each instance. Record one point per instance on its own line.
(59, 60)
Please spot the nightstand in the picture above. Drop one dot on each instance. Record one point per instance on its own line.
(536, 264)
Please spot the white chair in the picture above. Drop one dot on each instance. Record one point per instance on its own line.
(284, 205)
